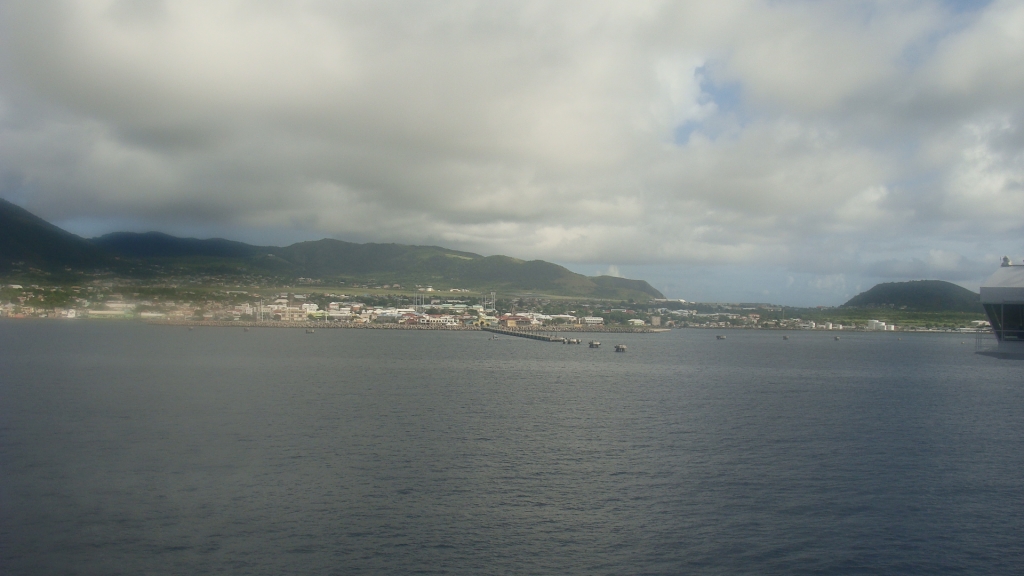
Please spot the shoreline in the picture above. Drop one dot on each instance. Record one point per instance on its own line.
(541, 329)
(365, 326)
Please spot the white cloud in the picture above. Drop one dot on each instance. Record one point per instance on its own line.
(986, 182)
(814, 137)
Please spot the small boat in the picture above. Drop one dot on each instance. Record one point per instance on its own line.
(837, 337)
(720, 337)
(785, 337)
(310, 331)
(189, 328)
(246, 329)
(595, 344)
(620, 347)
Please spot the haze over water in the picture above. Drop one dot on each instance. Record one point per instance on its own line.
(130, 449)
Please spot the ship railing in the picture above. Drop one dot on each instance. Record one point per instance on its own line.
(985, 340)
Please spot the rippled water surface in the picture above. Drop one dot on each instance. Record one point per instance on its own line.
(133, 449)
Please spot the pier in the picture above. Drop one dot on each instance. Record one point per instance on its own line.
(522, 334)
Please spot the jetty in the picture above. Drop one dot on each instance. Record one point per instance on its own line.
(523, 334)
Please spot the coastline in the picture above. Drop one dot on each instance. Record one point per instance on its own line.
(367, 326)
(527, 329)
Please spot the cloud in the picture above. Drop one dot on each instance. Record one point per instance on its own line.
(814, 137)
(939, 264)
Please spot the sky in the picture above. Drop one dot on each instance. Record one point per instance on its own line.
(793, 152)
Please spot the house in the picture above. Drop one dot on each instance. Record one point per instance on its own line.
(513, 320)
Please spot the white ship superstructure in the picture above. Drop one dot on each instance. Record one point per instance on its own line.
(1002, 295)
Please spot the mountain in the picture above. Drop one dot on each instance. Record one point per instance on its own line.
(160, 245)
(919, 295)
(330, 259)
(28, 241)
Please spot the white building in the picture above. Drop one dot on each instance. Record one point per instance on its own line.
(565, 318)
(439, 320)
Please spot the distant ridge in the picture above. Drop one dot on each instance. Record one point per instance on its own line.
(27, 241)
(384, 263)
(160, 245)
(918, 295)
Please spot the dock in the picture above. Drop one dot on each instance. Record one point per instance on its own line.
(523, 334)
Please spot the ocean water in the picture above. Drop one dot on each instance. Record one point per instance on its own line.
(135, 449)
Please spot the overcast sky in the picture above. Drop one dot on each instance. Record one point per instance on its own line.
(784, 151)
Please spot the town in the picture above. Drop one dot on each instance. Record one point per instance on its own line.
(413, 307)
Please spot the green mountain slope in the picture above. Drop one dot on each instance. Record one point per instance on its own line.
(390, 263)
(330, 259)
(433, 264)
(27, 241)
(919, 295)
(159, 245)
